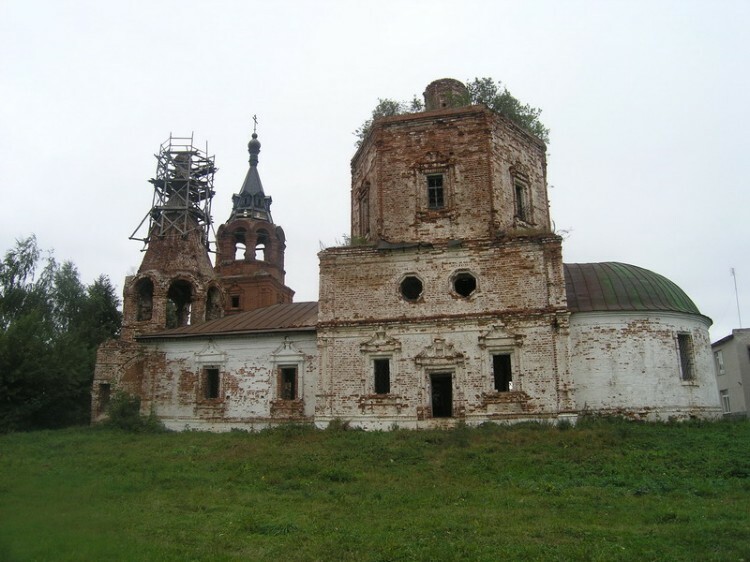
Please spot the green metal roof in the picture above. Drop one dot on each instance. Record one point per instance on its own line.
(613, 286)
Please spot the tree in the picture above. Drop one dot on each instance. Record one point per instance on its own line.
(479, 91)
(50, 327)
(497, 97)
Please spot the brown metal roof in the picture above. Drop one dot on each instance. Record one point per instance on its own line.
(291, 317)
(606, 286)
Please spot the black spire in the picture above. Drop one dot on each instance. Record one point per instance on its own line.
(252, 201)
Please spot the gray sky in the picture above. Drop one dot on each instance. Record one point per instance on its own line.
(647, 102)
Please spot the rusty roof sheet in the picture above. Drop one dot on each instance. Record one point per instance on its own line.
(291, 317)
(613, 286)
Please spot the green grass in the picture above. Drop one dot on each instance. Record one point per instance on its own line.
(605, 490)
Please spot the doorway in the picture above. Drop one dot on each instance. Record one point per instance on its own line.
(442, 395)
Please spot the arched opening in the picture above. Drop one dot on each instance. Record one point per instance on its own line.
(179, 299)
(261, 246)
(213, 304)
(240, 244)
(144, 295)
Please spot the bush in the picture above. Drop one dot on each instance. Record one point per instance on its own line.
(337, 424)
(125, 413)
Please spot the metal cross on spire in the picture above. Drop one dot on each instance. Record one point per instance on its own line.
(255, 123)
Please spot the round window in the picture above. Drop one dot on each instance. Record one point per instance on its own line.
(411, 288)
(464, 284)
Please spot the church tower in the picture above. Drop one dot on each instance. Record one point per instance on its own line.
(250, 254)
(175, 284)
(450, 304)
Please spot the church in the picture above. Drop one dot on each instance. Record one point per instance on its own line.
(449, 304)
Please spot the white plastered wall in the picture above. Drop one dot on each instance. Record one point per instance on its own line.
(629, 364)
(248, 370)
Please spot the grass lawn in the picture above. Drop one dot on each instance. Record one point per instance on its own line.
(604, 490)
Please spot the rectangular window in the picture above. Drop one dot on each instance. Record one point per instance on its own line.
(211, 383)
(502, 372)
(724, 395)
(105, 394)
(364, 212)
(685, 349)
(235, 301)
(719, 357)
(521, 200)
(382, 369)
(288, 383)
(435, 194)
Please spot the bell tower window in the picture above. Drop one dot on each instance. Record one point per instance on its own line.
(145, 299)
(239, 245)
(261, 246)
(179, 299)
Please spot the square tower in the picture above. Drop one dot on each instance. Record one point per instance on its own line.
(455, 287)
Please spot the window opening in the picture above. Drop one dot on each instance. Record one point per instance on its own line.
(105, 393)
(235, 301)
(719, 357)
(260, 252)
(145, 299)
(442, 395)
(211, 384)
(240, 245)
(288, 383)
(179, 299)
(364, 211)
(521, 200)
(435, 194)
(685, 350)
(213, 304)
(411, 288)
(261, 245)
(382, 369)
(502, 372)
(464, 284)
(724, 394)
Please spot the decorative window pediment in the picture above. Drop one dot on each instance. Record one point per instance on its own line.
(380, 343)
(211, 355)
(287, 352)
(500, 337)
(439, 354)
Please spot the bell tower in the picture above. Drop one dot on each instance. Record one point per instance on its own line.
(175, 284)
(250, 253)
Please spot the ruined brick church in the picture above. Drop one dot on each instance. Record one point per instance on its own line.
(451, 303)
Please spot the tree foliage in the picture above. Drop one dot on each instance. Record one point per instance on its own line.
(483, 91)
(50, 327)
(497, 97)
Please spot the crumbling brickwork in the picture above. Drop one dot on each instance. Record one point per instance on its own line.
(518, 308)
(250, 263)
(481, 158)
(452, 303)
(247, 381)
(459, 265)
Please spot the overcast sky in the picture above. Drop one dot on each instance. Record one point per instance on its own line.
(647, 102)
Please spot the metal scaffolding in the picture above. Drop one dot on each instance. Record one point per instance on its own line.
(183, 190)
